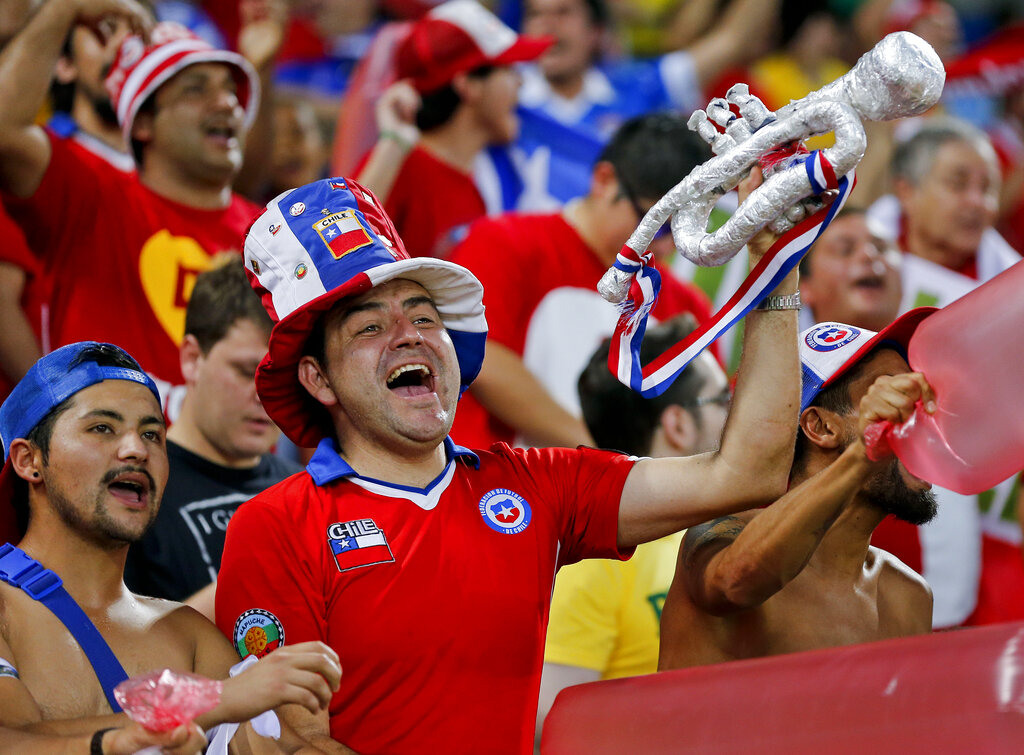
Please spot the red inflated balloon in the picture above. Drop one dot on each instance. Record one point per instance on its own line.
(971, 352)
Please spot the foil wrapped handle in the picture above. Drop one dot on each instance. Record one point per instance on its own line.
(901, 76)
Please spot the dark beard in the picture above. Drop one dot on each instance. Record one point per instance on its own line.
(101, 101)
(105, 110)
(101, 528)
(889, 492)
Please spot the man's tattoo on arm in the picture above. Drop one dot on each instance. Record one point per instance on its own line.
(727, 527)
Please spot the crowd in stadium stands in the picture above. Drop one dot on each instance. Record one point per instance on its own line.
(445, 182)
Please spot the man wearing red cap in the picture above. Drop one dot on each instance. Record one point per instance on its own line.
(852, 275)
(946, 185)
(461, 94)
(426, 565)
(122, 244)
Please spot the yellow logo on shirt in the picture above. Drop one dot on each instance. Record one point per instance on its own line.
(168, 266)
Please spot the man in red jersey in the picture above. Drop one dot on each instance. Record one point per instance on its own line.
(540, 274)
(457, 61)
(82, 112)
(123, 250)
(426, 565)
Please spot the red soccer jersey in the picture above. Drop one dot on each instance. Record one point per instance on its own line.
(121, 260)
(435, 599)
(14, 251)
(540, 289)
(431, 204)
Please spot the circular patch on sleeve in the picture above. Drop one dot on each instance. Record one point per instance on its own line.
(257, 632)
(505, 511)
(831, 337)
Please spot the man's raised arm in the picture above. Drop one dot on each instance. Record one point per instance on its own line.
(738, 562)
(735, 562)
(751, 467)
(26, 67)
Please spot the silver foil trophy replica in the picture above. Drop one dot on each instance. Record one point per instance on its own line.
(899, 77)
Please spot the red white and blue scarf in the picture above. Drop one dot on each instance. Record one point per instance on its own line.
(655, 378)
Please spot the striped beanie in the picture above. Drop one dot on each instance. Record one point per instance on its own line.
(140, 69)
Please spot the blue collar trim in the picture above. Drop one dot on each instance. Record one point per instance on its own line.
(63, 125)
(326, 465)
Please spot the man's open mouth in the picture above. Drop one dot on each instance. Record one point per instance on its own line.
(411, 380)
(131, 487)
(222, 132)
(870, 282)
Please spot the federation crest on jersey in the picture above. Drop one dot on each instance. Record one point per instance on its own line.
(505, 511)
(343, 233)
(257, 632)
(357, 543)
(831, 337)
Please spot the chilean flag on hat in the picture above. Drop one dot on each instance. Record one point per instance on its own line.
(343, 233)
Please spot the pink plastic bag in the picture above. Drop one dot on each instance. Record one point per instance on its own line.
(972, 353)
(164, 700)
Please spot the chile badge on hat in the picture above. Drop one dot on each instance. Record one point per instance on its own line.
(320, 243)
(829, 349)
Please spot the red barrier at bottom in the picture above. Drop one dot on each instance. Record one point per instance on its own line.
(953, 692)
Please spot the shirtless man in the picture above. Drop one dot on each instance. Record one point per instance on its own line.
(800, 574)
(86, 460)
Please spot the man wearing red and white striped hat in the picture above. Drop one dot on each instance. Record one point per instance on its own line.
(123, 250)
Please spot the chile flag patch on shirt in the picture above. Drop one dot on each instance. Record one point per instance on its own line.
(358, 543)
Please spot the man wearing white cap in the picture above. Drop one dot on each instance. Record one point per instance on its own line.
(852, 275)
(426, 565)
(801, 574)
(117, 244)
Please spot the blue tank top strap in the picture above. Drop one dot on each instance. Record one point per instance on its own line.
(20, 570)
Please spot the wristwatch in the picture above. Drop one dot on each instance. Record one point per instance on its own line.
(788, 301)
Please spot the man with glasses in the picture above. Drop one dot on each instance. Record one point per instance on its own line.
(540, 273)
(604, 614)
